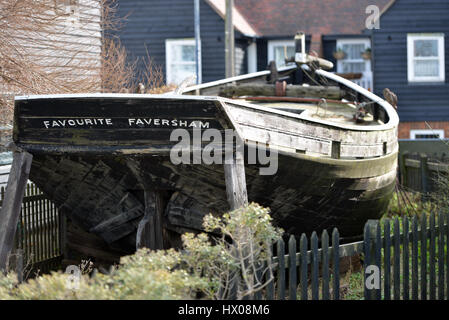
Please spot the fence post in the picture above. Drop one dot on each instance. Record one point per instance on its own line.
(325, 264)
(415, 275)
(303, 266)
(314, 262)
(370, 235)
(406, 259)
(336, 263)
(441, 256)
(423, 257)
(292, 267)
(397, 261)
(281, 269)
(12, 203)
(424, 176)
(387, 262)
(403, 168)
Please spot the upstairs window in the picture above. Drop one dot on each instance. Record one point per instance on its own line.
(353, 61)
(425, 57)
(278, 50)
(180, 60)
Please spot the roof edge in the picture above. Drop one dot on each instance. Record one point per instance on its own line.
(240, 23)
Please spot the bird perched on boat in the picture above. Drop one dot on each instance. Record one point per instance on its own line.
(391, 98)
(140, 88)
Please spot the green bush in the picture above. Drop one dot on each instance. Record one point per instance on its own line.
(204, 265)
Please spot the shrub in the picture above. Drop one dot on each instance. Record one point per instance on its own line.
(210, 267)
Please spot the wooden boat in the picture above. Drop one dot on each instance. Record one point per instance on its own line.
(95, 155)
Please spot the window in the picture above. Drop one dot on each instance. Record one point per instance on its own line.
(425, 54)
(279, 50)
(353, 61)
(180, 60)
(426, 134)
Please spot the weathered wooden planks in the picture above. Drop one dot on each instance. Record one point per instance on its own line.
(10, 211)
(260, 89)
(149, 230)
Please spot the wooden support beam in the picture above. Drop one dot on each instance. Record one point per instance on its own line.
(12, 204)
(149, 230)
(236, 182)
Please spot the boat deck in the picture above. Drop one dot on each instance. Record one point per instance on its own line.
(335, 112)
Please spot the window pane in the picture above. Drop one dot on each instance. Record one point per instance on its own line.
(426, 48)
(279, 54)
(183, 53)
(353, 50)
(427, 136)
(188, 53)
(180, 72)
(426, 68)
(353, 67)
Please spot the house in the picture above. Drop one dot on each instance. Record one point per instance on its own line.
(411, 57)
(49, 47)
(264, 31)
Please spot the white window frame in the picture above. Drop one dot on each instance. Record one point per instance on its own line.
(366, 42)
(168, 54)
(411, 37)
(276, 43)
(414, 133)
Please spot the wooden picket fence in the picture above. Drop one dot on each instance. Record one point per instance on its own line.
(417, 269)
(38, 232)
(421, 172)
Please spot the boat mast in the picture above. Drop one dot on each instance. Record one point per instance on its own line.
(229, 40)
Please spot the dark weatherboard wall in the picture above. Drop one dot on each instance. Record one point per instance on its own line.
(150, 23)
(417, 101)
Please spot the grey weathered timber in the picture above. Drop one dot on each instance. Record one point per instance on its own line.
(12, 204)
(146, 235)
(397, 261)
(235, 179)
(387, 263)
(441, 256)
(281, 270)
(325, 264)
(415, 274)
(292, 278)
(424, 175)
(336, 263)
(423, 257)
(150, 228)
(405, 260)
(432, 261)
(378, 256)
(261, 89)
(308, 259)
(371, 246)
(303, 266)
(367, 261)
(269, 277)
(315, 273)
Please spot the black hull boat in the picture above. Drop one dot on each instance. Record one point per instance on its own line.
(333, 146)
